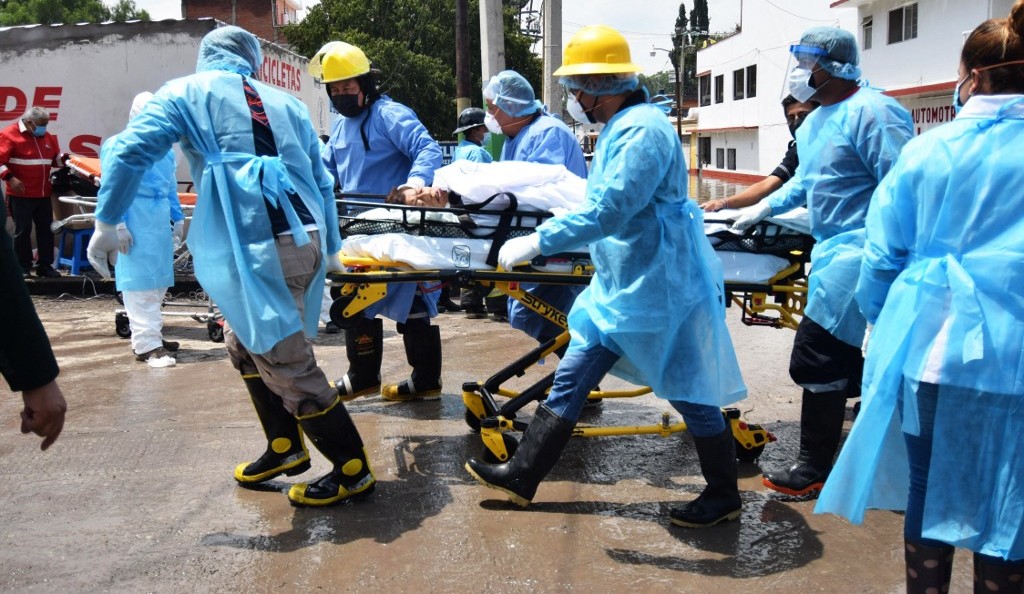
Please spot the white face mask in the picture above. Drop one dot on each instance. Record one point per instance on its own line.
(799, 84)
(492, 124)
(486, 139)
(576, 110)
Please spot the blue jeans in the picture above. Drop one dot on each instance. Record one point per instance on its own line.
(582, 368)
(919, 454)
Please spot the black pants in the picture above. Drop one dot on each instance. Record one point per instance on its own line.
(821, 362)
(26, 212)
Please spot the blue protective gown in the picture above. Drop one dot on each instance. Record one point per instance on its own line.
(545, 140)
(845, 150)
(150, 262)
(400, 148)
(941, 280)
(230, 237)
(657, 295)
(468, 151)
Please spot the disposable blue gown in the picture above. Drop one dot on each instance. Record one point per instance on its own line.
(657, 295)
(545, 140)
(468, 151)
(149, 264)
(400, 148)
(230, 237)
(941, 280)
(845, 150)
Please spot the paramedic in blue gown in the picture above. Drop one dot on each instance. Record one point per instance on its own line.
(379, 146)
(939, 433)
(647, 241)
(264, 229)
(471, 148)
(846, 147)
(536, 136)
(145, 266)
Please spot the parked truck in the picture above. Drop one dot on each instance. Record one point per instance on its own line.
(87, 75)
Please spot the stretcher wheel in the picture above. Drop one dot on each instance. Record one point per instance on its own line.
(745, 455)
(216, 331)
(121, 325)
(473, 421)
(511, 444)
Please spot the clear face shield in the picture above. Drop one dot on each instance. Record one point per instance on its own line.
(799, 68)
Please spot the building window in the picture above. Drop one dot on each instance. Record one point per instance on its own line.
(752, 81)
(704, 150)
(737, 85)
(704, 82)
(903, 23)
(720, 158)
(865, 27)
(730, 159)
(720, 88)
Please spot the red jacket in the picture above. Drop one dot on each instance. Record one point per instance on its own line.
(29, 159)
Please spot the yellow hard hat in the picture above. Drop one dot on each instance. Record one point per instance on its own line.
(338, 60)
(597, 49)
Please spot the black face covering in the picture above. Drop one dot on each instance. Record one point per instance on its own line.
(347, 105)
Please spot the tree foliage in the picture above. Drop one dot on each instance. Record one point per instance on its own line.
(50, 12)
(412, 43)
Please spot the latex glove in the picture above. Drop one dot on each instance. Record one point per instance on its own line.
(519, 249)
(750, 216)
(558, 211)
(103, 247)
(334, 263)
(867, 337)
(178, 233)
(125, 241)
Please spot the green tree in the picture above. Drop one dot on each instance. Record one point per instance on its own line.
(49, 12)
(412, 43)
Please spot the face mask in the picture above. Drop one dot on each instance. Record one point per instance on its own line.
(575, 109)
(39, 131)
(492, 124)
(799, 86)
(347, 105)
(486, 139)
(957, 104)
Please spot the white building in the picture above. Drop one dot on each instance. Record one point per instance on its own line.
(909, 49)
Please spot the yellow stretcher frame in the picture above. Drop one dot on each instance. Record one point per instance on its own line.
(366, 284)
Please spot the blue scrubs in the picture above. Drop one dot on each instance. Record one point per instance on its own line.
(468, 151)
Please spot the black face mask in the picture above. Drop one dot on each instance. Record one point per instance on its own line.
(347, 105)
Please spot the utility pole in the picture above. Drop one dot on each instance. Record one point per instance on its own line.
(462, 79)
(552, 54)
(492, 39)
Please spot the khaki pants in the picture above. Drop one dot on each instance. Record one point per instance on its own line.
(289, 368)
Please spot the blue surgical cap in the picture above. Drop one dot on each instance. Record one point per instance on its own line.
(601, 84)
(512, 94)
(841, 57)
(232, 49)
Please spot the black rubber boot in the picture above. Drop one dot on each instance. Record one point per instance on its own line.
(720, 500)
(423, 352)
(286, 453)
(821, 428)
(364, 345)
(445, 303)
(335, 435)
(542, 444)
(929, 568)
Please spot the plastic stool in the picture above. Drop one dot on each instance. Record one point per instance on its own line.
(77, 260)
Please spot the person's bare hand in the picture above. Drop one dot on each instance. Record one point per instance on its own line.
(44, 412)
(713, 205)
(16, 186)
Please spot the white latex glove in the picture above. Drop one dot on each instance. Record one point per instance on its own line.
(867, 337)
(334, 263)
(558, 211)
(103, 248)
(178, 232)
(519, 249)
(751, 215)
(125, 241)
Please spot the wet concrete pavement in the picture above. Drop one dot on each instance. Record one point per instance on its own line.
(137, 494)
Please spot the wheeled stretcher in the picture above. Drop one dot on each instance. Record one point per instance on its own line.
(413, 244)
(86, 170)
